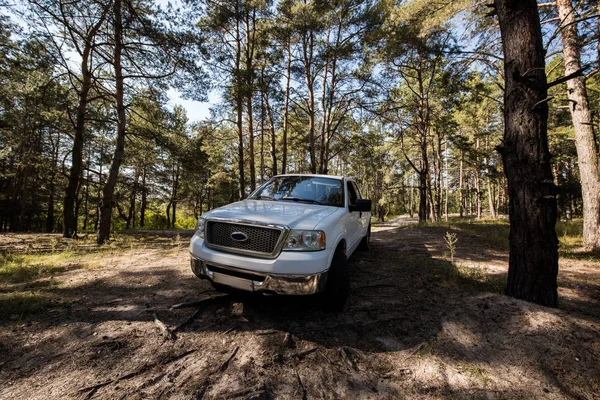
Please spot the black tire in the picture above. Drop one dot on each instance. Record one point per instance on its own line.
(365, 243)
(337, 287)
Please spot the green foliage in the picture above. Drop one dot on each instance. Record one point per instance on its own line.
(388, 92)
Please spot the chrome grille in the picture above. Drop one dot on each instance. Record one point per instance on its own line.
(260, 239)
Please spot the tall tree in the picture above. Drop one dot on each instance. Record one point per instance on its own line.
(106, 206)
(587, 152)
(533, 259)
(79, 23)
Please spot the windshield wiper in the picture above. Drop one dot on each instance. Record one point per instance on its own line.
(264, 198)
(301, 199)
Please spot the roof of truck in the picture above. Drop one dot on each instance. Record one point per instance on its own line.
(316, 176)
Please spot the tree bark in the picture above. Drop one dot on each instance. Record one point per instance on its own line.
(109, 187)
(587, 156)
(533, 259)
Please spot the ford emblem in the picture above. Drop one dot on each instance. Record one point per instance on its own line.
(239, 236)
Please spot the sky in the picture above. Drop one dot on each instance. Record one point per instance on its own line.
(196, 110)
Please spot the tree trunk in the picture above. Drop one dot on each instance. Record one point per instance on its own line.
(422, 197)
(488, 180)
(446, 189)
(587, 156)
(143, 202)
(133, 197)
(533, 259)
(461, 207)
(69, 217)
(109, 187)
(250, 34)
(50, 216)
(308, 48)
(286, 109)
(174, 194)
(239, 100)
(262, 140)
(273, 134)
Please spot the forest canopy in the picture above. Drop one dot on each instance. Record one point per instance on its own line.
(407, 97)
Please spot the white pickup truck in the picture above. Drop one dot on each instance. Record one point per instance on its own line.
(291, 236)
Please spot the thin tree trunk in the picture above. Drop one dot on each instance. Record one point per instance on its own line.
(174, 198)
(239, 100)
(477, 172)
(308, 48)
(587, 155)
(249, 89)
(324, 116)
(262, 140)
(273, 134)
(286, 109)
(446, 182)
(461, 207)
(109, 187)
(143, 202)
(488, 179)
(533, 259)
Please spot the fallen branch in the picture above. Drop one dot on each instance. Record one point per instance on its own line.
(226, 363)
(166, 332)
(304, 393)
(187, 321)
(269, 332)
(348, 359)
(304, 353)
(94, 388)
(200, 393)
(414, 351)
(201, 304)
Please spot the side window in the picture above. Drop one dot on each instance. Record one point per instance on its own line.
(352, 196)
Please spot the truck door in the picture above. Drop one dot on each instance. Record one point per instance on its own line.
(354, 227)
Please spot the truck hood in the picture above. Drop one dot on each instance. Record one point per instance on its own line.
(295, 215)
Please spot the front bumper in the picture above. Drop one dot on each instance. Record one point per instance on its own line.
(253, 281)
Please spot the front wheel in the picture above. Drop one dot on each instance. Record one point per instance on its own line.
(365, 243)
(337, 287)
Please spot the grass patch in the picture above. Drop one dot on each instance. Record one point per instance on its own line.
(492, 233)
(474, 278)
(15, 268)
(475, 372)
(22, 303)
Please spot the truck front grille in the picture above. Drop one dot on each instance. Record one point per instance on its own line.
(260, 239)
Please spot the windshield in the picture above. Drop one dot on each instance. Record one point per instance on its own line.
(304, 189)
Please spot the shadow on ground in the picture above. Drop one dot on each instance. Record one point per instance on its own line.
(415, 325)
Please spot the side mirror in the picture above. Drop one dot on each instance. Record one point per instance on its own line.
(362, 205)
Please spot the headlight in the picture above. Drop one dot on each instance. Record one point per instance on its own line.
(200, 227)
(305, 241)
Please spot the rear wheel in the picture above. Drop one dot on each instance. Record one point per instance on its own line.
(338, 283)
(365, 243)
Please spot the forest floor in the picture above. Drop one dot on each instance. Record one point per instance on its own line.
(77, 321)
